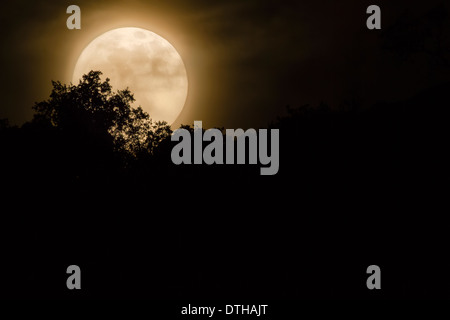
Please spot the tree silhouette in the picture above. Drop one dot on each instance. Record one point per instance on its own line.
(350, 182)
(92, 108)
(83, 134)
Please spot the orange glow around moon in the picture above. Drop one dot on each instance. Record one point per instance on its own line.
(145, 63)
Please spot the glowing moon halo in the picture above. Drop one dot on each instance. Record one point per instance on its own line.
(145, 63)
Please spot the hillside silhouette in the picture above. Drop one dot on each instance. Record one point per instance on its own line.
(89, 180)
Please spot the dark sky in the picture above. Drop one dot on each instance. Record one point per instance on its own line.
(246, 60)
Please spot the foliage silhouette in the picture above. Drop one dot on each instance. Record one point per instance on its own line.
(92, 107)
(82, 134)
(350, 185)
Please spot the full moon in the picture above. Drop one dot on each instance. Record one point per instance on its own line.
(144, 62)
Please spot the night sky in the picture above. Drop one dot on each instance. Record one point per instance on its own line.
(359, 183)
(246, 61)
